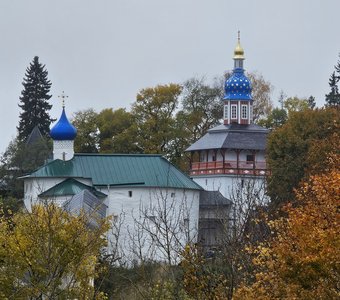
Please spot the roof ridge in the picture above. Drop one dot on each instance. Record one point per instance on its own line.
(118, 154)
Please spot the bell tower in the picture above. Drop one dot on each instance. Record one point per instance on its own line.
(236, 148)
(238, 102)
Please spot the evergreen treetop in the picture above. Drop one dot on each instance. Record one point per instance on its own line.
(34, 101)
(333, 97)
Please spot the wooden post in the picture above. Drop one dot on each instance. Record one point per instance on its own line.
(237, 159)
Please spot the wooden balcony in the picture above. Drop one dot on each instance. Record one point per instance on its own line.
(229, 167)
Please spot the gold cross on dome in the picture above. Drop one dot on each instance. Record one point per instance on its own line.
(238, 36)
(63, 96)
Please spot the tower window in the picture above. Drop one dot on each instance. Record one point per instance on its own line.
(226, 111)
(250, 158)
(130, 194)
(244, 114)
(234, 111)
(202, 156)
(251, 113)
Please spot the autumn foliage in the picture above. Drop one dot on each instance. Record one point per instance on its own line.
(302, 261)
(49, 254)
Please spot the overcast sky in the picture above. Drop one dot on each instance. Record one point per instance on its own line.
(101, 53)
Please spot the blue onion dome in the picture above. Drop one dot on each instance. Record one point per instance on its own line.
(63, 130)
(238, 86)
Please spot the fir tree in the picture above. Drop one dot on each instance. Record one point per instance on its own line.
(311, 102)
(333, 97)
(34, 101)
(337, 69)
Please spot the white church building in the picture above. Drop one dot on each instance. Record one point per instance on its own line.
(151, 202)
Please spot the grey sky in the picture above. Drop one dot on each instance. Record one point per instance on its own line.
(101, 53)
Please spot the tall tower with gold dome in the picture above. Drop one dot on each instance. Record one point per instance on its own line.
(235, 149)
(238, 102)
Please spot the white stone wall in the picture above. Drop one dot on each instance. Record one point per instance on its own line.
(136, 213)
(139, 216)
(226, 184)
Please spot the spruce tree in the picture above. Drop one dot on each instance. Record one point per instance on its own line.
(333, 97)
(34, 101)
(337, 69)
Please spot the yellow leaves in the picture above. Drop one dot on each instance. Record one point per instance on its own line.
(302, 260)
(49, 246)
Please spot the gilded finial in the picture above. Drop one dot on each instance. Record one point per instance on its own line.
(63, 96)
(238, 52)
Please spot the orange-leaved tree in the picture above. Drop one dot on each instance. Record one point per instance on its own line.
(302, 261)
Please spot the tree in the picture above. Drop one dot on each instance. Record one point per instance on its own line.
(261, 92)
(333, 97)
(276, 118)
(202, 107)
(217, 273)
(153, 113)
(34, 101)
(290, 146)
(87, 140)
(49, 253)
(115, 132)
(21, 158)
(311, 102)
(162, 228)
(301, 261)
(295, 104)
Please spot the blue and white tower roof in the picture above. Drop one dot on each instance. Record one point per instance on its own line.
(238, 86)
(63, 130)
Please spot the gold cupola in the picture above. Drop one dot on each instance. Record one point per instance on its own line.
(238, 52)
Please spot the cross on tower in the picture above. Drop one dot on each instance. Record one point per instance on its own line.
(238, 36)
(63, 96)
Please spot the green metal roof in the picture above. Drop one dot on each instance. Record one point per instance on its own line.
(119, 169)
(70, 186)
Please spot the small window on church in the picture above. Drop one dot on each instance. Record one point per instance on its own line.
(202, 156)
(172, 195)
(234, 111)
(244, 112)
(250, 158)
(130, 194)
(151, 218)
(226, 111)
(186, 224)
